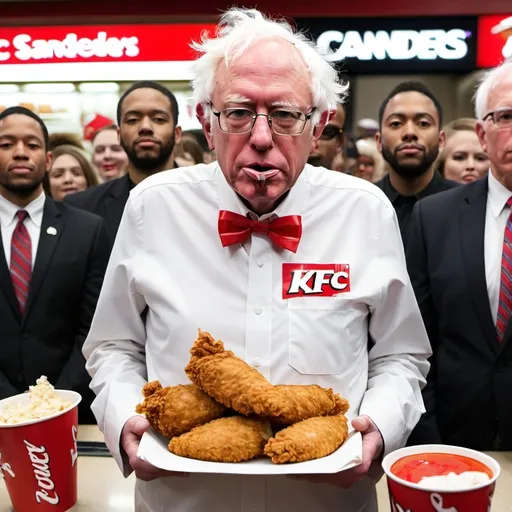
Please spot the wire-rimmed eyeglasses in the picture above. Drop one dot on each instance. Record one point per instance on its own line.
(282, 121)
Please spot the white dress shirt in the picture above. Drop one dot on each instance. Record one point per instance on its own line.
(168, 256)
(9, 220)
(496, 216)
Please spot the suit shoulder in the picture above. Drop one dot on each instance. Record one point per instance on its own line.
(87, 199)
(77, 215)
(448, 199)
(178, 177)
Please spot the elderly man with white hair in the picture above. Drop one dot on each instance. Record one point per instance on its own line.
(217, 247)
(460, 262)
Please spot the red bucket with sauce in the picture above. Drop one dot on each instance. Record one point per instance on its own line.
(38, 458)
(440, 478)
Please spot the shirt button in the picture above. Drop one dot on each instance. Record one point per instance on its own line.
(255, 362)
(260, 264)
(258, 311)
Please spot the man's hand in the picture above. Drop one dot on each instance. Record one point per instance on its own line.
(373, 445)
(130, 440)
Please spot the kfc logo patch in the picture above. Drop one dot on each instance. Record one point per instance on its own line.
(315, 279)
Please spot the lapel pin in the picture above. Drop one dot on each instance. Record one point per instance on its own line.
(51, 230)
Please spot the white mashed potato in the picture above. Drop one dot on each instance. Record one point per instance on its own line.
(42, 402)
(454, 482)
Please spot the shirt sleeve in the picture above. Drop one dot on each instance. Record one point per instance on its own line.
(398, 357)
(115, 346)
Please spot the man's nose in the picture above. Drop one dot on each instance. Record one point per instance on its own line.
(409, 131)
(146, 126)
(261, 134)
(20, 150)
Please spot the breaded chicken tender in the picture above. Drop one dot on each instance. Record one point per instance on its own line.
(232, 382)
(308, 401)
(233, 439)
(307, 440)
(174, 410)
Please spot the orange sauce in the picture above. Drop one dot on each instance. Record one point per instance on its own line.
(414, 467)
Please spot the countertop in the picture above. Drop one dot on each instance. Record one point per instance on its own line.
(101, 485)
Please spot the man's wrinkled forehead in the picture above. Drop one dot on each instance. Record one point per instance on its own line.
(264, 58)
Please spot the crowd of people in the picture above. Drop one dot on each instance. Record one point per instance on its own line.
(113, 260)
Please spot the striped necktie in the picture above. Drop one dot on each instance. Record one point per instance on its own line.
(21, 260)
(505, 302)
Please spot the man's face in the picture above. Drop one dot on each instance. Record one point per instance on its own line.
(270, 76)
(147, 131)
(410, 137)
(330, 142)
(496, 141)
(23, 157)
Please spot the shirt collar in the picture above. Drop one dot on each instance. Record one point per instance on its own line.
(229, 200)
(430, 189)
(35, 209)
(498, 195)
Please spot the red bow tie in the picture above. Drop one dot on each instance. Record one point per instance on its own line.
(283, 231)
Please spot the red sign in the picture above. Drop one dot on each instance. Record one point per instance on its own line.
(315, 279)
(100, 43)
(494, 40)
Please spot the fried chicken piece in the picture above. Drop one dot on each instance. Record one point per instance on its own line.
(307, 440)
(233, 439)
(230, 380)
(309, 401)
(174, 410)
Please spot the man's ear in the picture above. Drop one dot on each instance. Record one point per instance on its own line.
(482, 135)
(378, 141)
(49, 160)
(442, 139)
(177, 135)
(206, 123)
(319, 128)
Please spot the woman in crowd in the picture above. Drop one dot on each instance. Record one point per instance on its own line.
(189, 152)
(70, 172)
(108, 156)
(370, 164)
(463, 159)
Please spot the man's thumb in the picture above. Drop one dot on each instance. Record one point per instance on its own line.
(140, 425)
(361, 423)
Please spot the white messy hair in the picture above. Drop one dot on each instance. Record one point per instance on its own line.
(237, 30)
(487, 84)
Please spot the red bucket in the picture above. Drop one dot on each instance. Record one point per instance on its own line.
(38, 458)
(406, 496)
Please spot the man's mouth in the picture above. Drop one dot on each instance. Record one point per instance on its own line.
(259, 172)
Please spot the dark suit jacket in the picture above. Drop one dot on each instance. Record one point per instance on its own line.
(66, 281)
(106, 200)
(468, 396)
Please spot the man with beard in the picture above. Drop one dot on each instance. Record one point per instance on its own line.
(52, 261)
(410, 137)
(147, 115)
(330, 142)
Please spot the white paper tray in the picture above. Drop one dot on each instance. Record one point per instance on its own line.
(153, 449)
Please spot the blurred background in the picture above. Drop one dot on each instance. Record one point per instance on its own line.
(69, 60)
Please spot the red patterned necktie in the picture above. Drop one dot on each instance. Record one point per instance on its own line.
(21, 260)
(505, 302)
(283, 231)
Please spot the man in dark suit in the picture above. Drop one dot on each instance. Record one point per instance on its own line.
(147, 115)
(410, 137)
(459, 256)
(52, 263)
